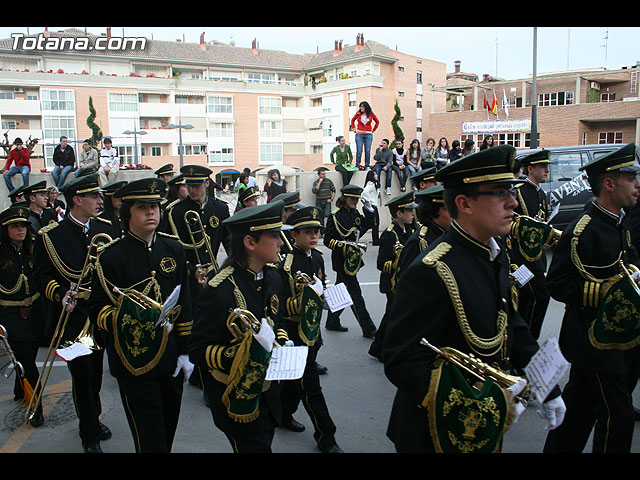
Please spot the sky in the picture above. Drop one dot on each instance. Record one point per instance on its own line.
(505, 52)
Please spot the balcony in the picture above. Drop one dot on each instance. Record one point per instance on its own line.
(21, 108)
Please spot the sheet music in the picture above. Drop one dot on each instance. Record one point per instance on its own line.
(546, 368)
(523, 275)
(169, 303)
(287, 363)
(73, 351)
(553, 213)
(337, 297)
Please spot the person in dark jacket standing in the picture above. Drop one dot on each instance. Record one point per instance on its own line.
(64, 159)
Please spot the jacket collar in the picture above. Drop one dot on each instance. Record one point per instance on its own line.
(492, 251)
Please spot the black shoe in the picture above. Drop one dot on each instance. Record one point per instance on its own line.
(293, 425)
(332, 449)
(322, 370)
(376, 354)
(339, 328)
(93, 449)
(37, 420)
(105, 433)
(370, 335)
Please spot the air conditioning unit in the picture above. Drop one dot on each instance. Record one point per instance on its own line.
(18, 90)
(594, 85)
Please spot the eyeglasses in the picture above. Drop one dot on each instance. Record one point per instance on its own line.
(501, 194)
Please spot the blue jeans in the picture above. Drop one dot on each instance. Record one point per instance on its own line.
(403, 174)
(363, 141)
(389, 175)
(24, 171)
(60, 175)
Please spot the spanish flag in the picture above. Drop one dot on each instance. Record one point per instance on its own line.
(494, 104)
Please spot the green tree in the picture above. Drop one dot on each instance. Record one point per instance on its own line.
(96, 136)
(397, 131)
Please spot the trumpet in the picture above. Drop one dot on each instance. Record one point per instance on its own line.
(361, 245)
(552, 239)
(85, 336)
(241, 321)
(480, 370)
(144, 302)
(194, 226)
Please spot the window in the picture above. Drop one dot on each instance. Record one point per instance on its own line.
(564, 166)
(352, 99)
(254, 77)
(58, 100)
(513, 139)
(123, 102)
(270, 128)
(419, 78)
(316, 102)
(400, 69)
(219, 104)
(156, 151)
(527, 140)
(6, 95)
(221, 155)
(270, 105)
(270, 152)
(555, 98)
(418, 101)
(608, 97)
(8, 124)
(54, 127)
(126, 154)
(609, 137)
(633, 87)
(195, 149)
(401, 94)
(220, 129)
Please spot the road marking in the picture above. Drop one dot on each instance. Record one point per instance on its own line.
(22, 433)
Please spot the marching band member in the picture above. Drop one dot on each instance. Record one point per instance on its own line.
(235, 327)
(302, 314)
(134, 276)
(392, 242)
(342, 232)
(467, 307)
(589, 259)
(21, 308)
(60, 253)
(111, 206)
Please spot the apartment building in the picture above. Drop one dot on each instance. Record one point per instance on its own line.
(220, 105)
(573, 108)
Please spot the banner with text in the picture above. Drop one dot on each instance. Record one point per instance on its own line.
(497, 126)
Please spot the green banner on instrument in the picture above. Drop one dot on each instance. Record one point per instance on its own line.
(310, 315)
(461, 419)
(246, 380)
(139, 343)
(617, 322)
(532, 236)
(352, 259)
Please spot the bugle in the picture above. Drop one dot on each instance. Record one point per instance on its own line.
(194, 226)
(56, 340)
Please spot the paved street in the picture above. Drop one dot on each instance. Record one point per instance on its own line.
(358, 394)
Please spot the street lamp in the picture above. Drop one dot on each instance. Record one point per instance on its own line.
(187, 126)
(135, 142)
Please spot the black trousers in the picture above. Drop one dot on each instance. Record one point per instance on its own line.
(376, 345)
(256, 442)
(372, 221)
(359, 308)
(152, 407)
(600, 401)
(308, 390)
(346, 174)
(533, 301)
(86, 380)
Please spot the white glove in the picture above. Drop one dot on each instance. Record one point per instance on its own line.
(288, 343)
(266, 336)
(553, 411)
(515, 390)
(185, 365)
(317, 286)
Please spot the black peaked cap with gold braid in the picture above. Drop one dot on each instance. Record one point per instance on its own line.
(493, 165)
(144, 190)
(195, 174)
(431, 194)
(351, 191)
(290, 199)
(40, 187)
(260, 218)
(538, 157)
(247, 193)
(177, 180)
(165, 169)
(621, 160)
(81, 185)
(405, 200)
(424, 175)
(14, 215)
(306, 217)
(112, 187)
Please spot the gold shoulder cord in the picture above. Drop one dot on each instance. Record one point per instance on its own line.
(422, 241)
(340, 229)
(64, 270)
(477, 344)
(579, 228)
(22, 278)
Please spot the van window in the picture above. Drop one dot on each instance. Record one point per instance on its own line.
(600, 154)
(564, 166)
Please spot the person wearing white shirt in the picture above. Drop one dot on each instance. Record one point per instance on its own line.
(109, 163)
(369, 198)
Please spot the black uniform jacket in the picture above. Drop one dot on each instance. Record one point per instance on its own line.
(43, 219)
(297, 261)
(59, 256)
(128, 262)
(573, 279)
(420, 239)
(483, 289)
(212, 213)
(344, 224)
(213, 347)
(17, 274)
(393, 235)
(532, 202)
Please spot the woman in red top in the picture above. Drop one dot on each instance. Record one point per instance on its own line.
(363, 124)
(19, 155)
